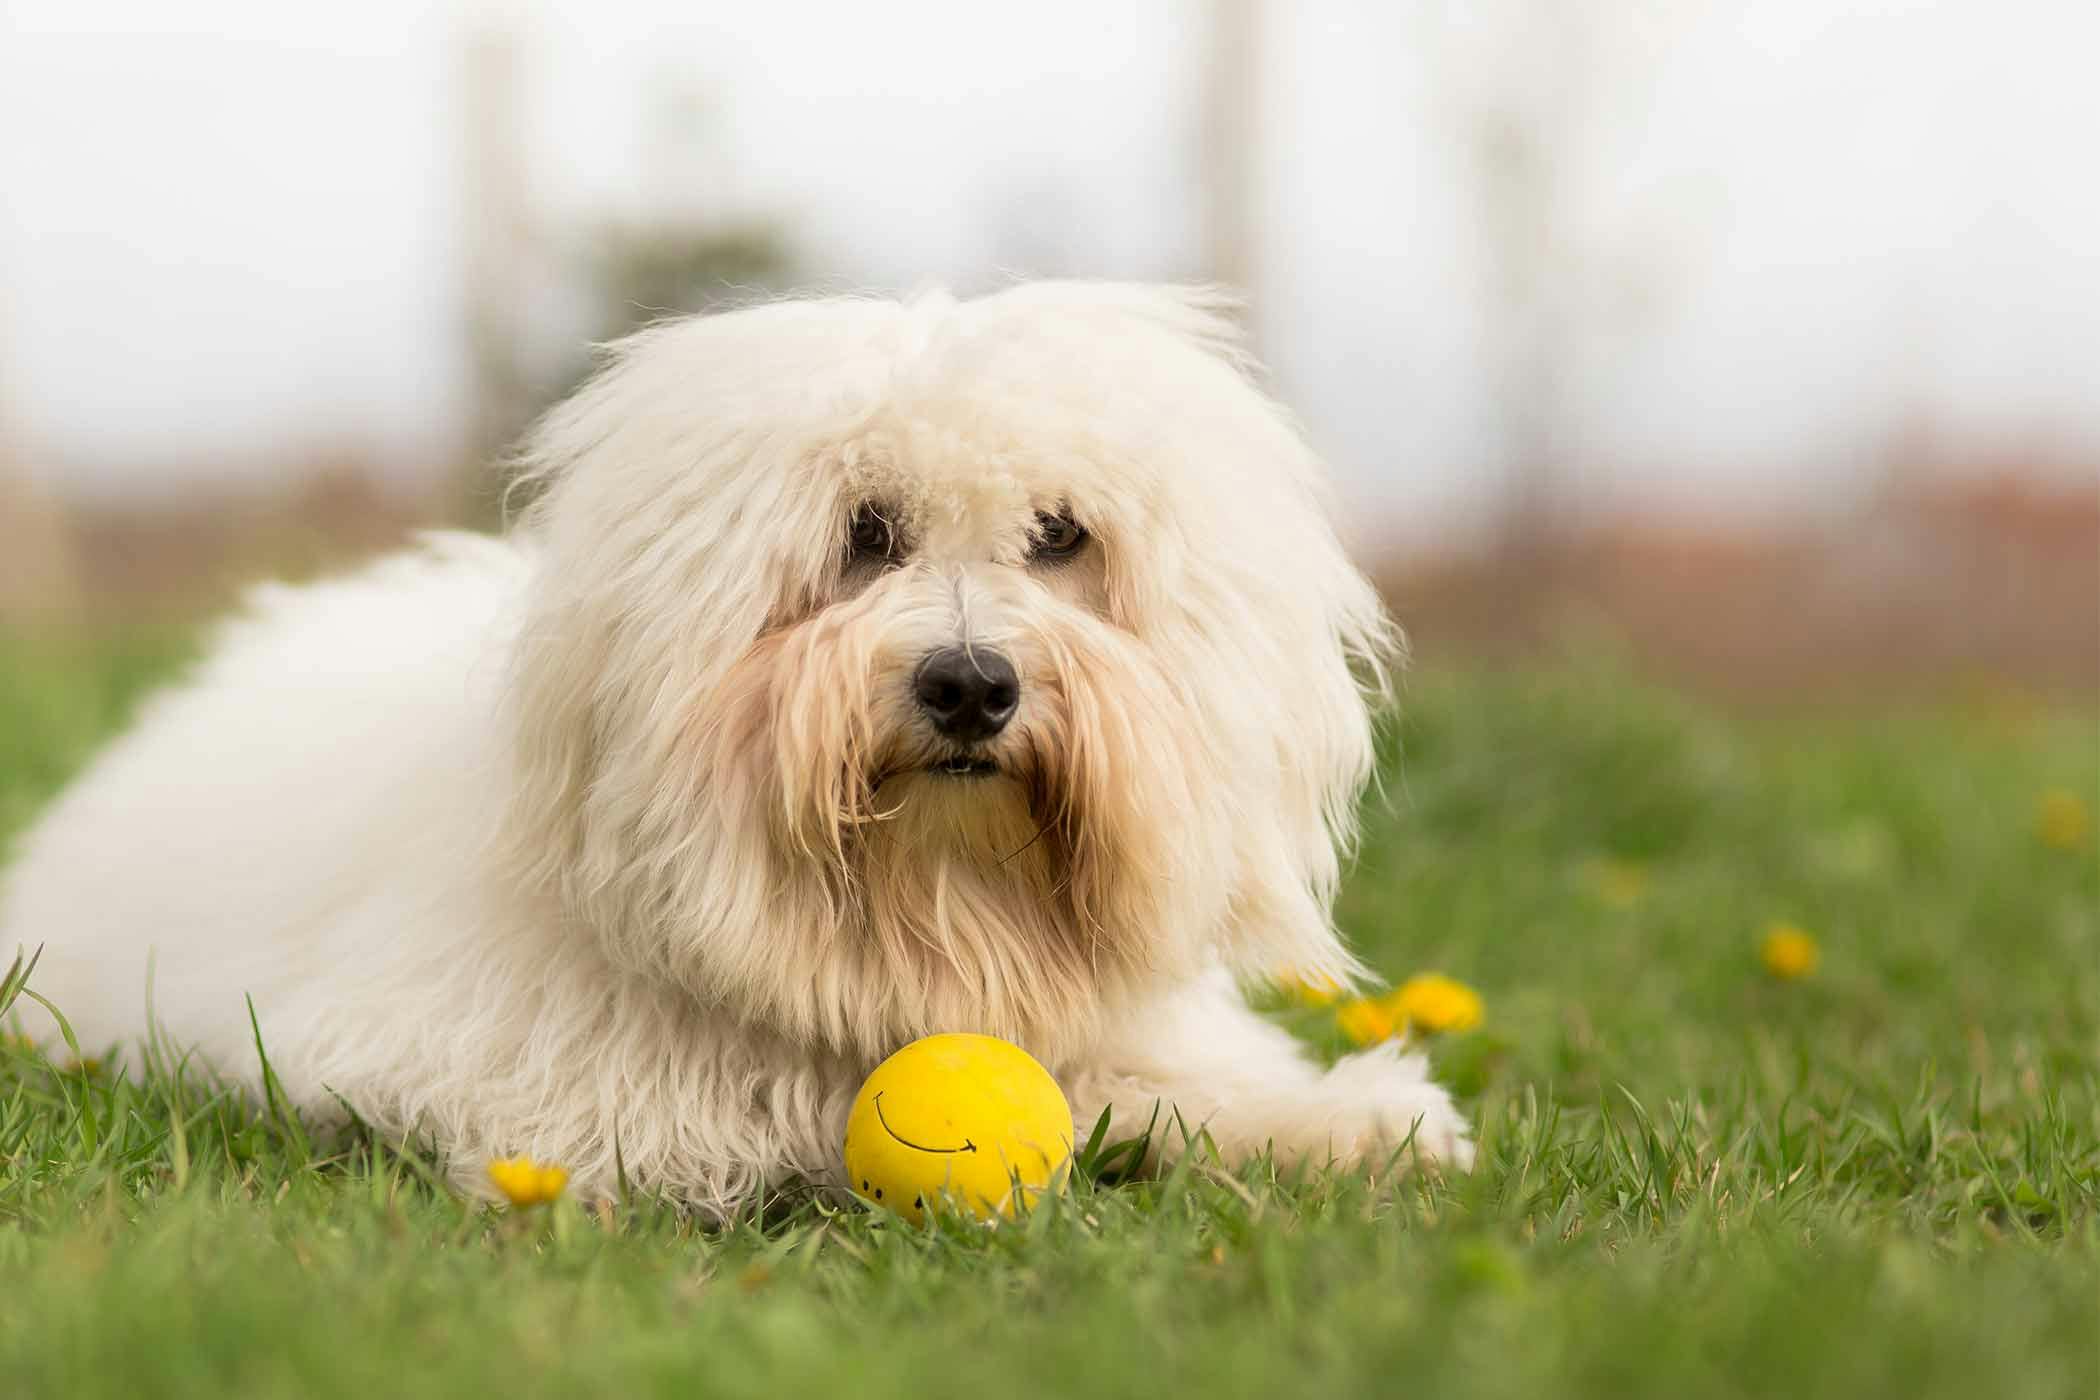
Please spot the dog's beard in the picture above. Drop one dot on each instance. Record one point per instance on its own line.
(902, 898)
(1002, 892)
(972, 879)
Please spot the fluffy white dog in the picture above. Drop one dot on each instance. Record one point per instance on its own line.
(862, 669)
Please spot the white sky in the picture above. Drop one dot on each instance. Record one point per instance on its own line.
(229, 229)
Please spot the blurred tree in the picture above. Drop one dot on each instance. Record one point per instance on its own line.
(536, 288)
(1538, 91)
(644, 272)
(690, 244)
(633, 274)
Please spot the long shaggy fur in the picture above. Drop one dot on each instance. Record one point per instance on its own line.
(621, 835)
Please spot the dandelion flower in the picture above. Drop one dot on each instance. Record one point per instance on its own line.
(1789, 953)
(1367, 1020)
(1313, 990)
(1433, 1003)
(1427, 1004)
(525, 1182)
(2061, 819)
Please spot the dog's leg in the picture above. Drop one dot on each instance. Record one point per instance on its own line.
(1204, 1061)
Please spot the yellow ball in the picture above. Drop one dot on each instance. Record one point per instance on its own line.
(966, 1118)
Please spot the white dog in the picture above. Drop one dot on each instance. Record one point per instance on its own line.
(862, 669)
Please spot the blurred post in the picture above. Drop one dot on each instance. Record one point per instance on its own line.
(1231, 128)
(498, 244)
(1518, 175)
(37, 580)
(1533, 85)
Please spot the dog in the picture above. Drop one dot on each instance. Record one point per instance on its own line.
(857, 669)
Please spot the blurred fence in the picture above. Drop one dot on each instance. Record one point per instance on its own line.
(1459, 227)
(1957, 583)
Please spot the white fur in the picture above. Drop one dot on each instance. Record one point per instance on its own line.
(616, 835)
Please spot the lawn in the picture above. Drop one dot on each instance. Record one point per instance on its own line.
(1696, 1177)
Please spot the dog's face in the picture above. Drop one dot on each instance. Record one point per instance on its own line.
(899, 668)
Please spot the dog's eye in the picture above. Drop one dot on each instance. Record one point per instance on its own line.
(871, 536)
(1057, 536)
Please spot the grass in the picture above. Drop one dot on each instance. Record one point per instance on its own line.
(1695, 1179)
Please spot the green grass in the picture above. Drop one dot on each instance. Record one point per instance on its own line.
(1694, 1179)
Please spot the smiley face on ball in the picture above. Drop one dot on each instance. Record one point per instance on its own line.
(969, 1120)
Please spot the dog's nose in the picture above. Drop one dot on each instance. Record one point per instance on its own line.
(968, 692)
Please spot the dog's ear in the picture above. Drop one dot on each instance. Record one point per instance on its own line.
(651, 579)
(1334, 686)
(1251, 598)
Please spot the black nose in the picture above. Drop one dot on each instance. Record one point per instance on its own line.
(968, 692)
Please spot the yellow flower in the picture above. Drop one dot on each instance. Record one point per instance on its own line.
(1618, 883)
(1428, 1004)
(1367, 1020)
(2061, 819)
(1789, 953)
(526, 1182)
(1433, 1003)
(1309, 990)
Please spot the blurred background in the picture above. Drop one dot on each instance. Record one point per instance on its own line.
(1755, 340)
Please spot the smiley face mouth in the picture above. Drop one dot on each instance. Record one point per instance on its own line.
(967, 1145)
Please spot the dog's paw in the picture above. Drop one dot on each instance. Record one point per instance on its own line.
(1382, 1100)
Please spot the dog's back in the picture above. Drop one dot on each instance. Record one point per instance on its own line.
(229, 841)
